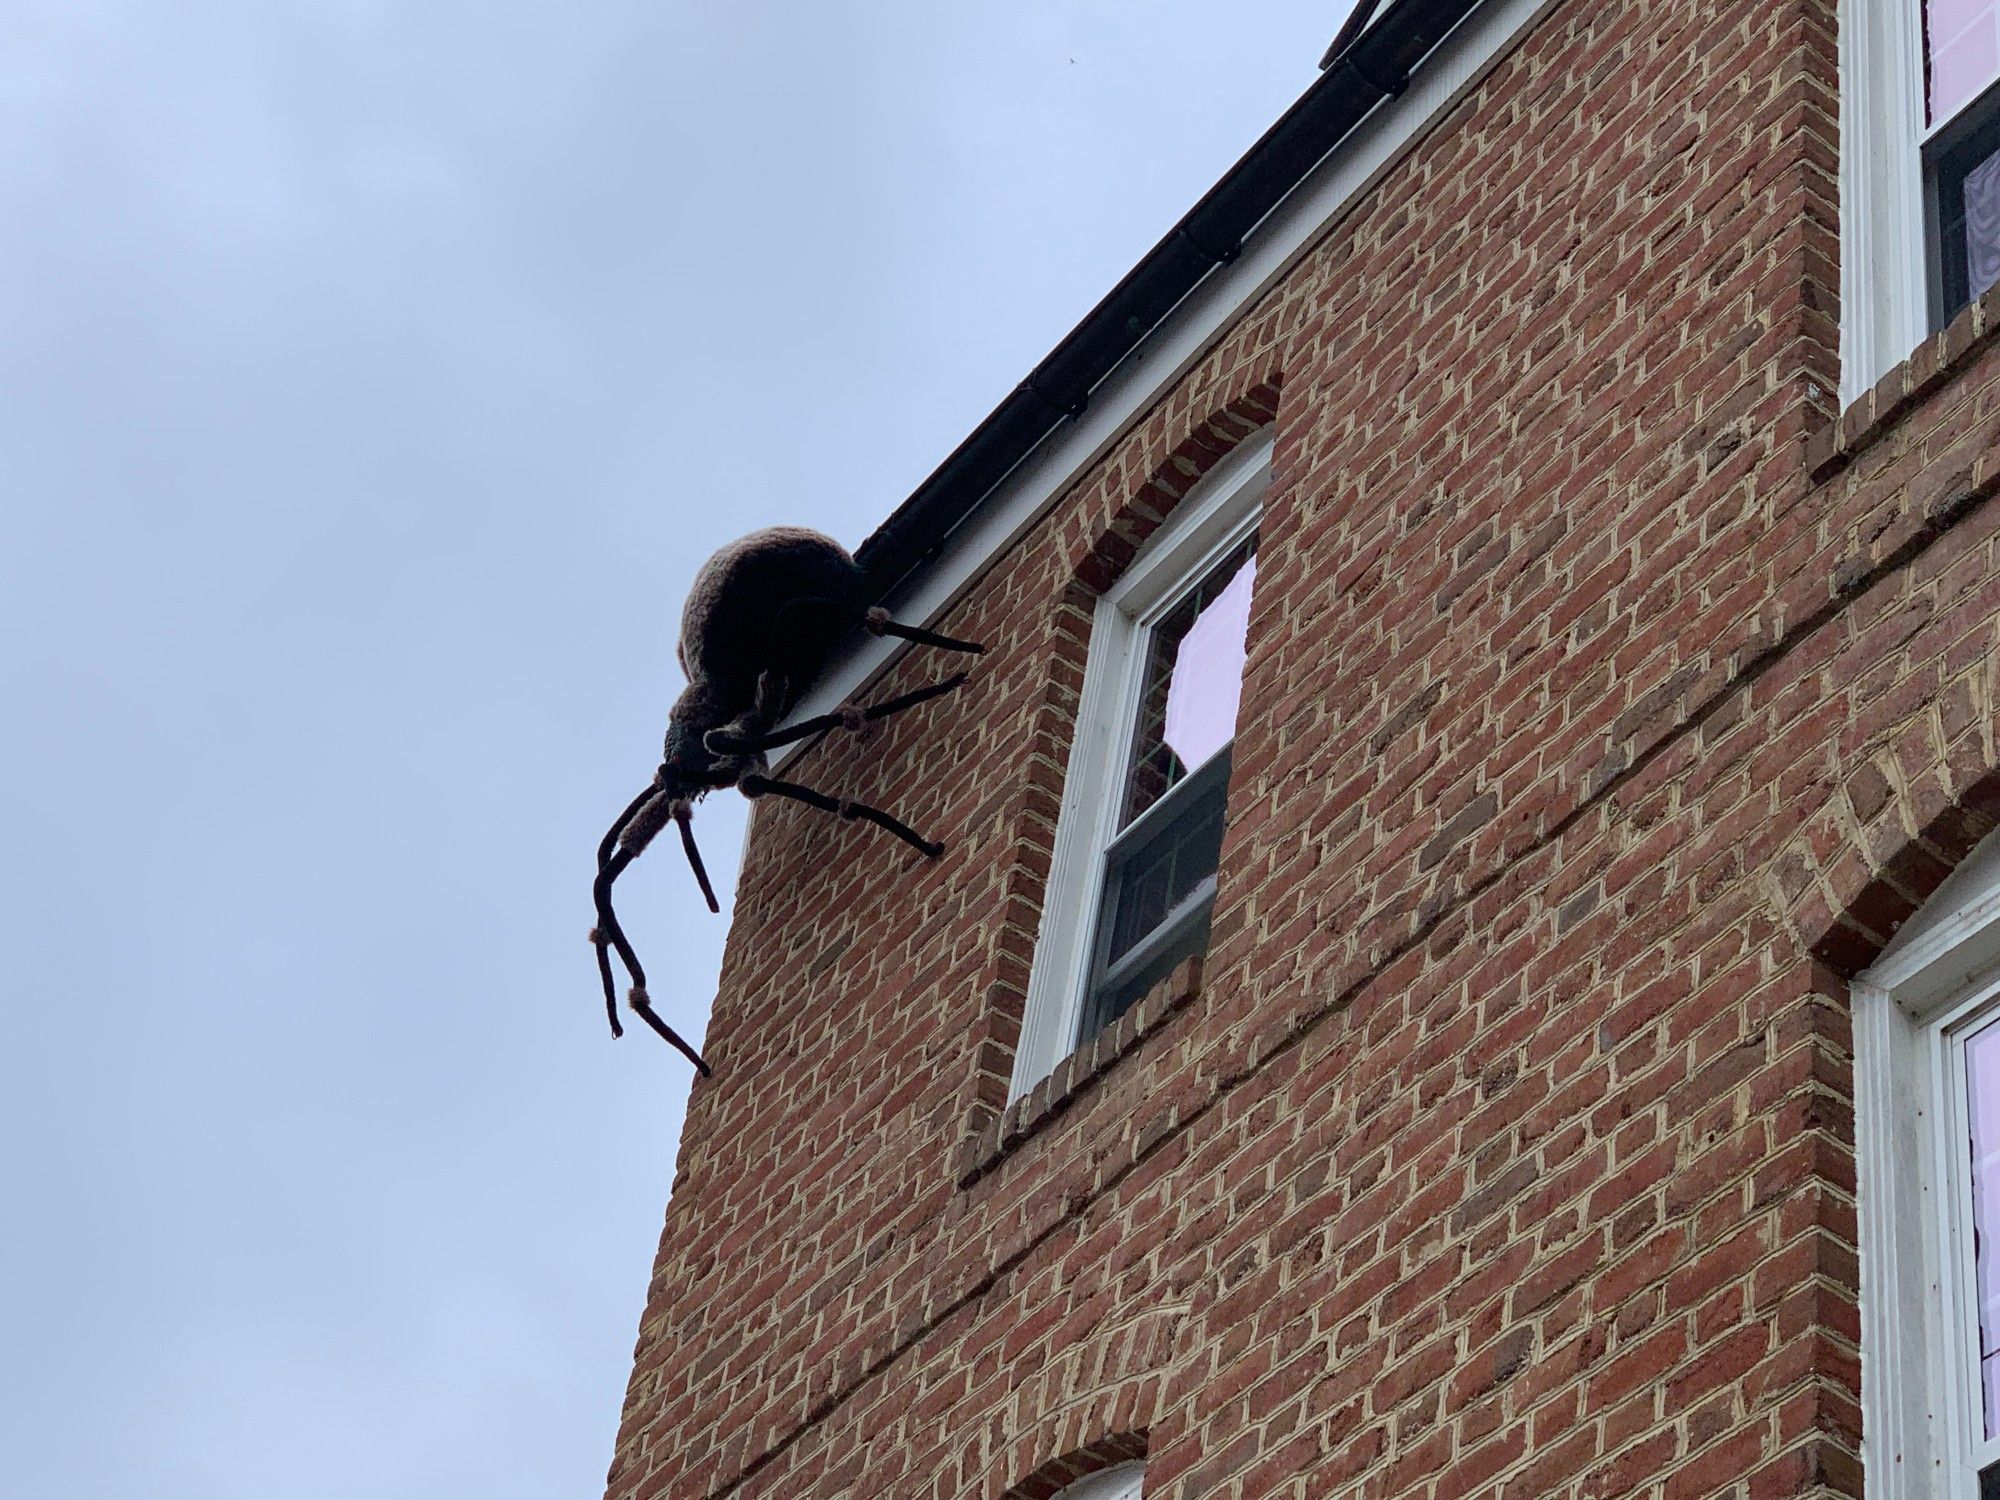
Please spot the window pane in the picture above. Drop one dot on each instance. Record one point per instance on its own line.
(1963, 163)
(1962, 44)
(1159, 887)
(1194, 681)
(1982, 226)
(1116, 996)
(1165, 873)
(1982, 1089)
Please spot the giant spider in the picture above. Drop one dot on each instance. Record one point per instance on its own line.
(762, 618)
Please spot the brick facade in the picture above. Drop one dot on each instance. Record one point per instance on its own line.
(1610, 700)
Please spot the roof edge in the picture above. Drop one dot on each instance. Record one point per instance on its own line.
(1372, 67)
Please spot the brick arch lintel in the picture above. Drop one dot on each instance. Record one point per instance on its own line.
(1050, 1478)
(1901, 815)
(1105, 555)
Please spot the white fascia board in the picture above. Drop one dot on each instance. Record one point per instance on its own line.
(1151, 370)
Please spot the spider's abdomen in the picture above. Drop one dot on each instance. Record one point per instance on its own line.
(777, 600)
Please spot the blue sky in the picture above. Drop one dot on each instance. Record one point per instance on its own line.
(373, 377)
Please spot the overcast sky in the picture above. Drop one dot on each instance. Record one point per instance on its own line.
(373, 376)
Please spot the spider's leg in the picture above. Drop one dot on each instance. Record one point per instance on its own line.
(930, 848)
(603, 946)
(598, 938)
(877, 622)
(758, 786)
(610, 839)
(607, 919)
(685, 820)
(642, 1006)
(724, 743)
(607, 924)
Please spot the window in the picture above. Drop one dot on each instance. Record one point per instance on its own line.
(1927, 1137)
(1126, 1482)
(1962, 176)
(1159, 873)
(1920, 173)
(1961, 150)
(1132, 881)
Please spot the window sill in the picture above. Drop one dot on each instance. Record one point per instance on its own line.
(1935, 361)
(1027, 1115)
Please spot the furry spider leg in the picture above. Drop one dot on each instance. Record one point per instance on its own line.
(603, 947)
(638, 999)
(722, 742)
(684, 820)
(759, 786)
(875, 620)
(598, 940)
(608, 930)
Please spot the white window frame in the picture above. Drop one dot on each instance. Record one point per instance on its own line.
(1885, 294)
(1126, 1482)
(1884, 272)
(1214, 518)
(1937, 981)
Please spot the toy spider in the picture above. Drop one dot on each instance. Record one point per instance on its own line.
(762, 618)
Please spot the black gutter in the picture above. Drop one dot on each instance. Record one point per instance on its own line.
(1373, 66)
(1355, 24)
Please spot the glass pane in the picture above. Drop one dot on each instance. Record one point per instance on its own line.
(1159, 889)
(1115, 997)
(1164, 874)
(1962, 48)
(1982, 226)
(1982, 1092)
(1964, 167)
(1194, 680)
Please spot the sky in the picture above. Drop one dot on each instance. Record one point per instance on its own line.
(374, 375)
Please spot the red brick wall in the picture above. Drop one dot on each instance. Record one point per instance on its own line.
(1607, 704)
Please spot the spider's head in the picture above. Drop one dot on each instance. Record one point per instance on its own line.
(687, 765)
(689, 769)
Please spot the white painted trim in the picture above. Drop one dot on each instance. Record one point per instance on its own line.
(1126, 1482)
(1967, 1448)
(1899, 1445)
(1453, 68)
(1212, 520)
(1939, 975)
(1955, 938)
(1884, 285)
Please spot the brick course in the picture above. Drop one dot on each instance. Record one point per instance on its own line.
(1611, 698)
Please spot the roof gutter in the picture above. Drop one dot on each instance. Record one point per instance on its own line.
(1372, 66)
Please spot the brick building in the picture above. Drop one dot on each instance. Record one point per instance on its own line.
(1465, 960)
